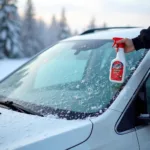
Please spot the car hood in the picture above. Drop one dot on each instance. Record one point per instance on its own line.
(27, 132)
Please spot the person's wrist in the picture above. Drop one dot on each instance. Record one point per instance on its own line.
(132, 48)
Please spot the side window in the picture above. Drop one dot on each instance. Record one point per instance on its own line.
(139, 105)
(147, 94)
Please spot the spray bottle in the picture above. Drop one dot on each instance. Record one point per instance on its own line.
(118, 65)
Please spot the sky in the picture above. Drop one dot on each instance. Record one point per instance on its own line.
(80, 12)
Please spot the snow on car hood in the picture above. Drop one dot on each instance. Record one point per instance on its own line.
(27, 132)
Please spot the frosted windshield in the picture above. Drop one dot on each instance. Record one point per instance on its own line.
(71, 76)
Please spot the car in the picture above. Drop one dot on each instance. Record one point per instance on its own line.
(62, 98)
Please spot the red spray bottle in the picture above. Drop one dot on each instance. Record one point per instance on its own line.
(118, 65)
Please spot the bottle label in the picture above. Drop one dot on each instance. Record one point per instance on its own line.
(117, 71)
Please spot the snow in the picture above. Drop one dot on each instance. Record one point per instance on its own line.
(3, 34)
(9, 65)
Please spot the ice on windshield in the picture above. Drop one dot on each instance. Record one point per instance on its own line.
(62, 69)
(71, 76)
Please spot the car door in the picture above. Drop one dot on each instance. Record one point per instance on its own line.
(143, 132)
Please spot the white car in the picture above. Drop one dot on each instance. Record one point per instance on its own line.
(62, 99)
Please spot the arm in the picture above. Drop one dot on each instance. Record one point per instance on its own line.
(143, 40)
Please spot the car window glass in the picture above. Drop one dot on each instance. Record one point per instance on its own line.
(62, 69)
(71, 76)
(148, 94)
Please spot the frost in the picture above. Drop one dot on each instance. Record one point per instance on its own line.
(100, 111)
(83, 81)
(68, 112)
(62, 94)
(78, 86)
(94, 107)
(76, 97)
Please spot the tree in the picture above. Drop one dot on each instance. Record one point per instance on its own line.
(92, 23)
(75, 33)
(10, 45)
(64, 30)
(54, 31)
(104, 25)
(41, 34)
(30, 41)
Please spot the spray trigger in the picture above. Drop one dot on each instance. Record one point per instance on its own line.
(120, 45)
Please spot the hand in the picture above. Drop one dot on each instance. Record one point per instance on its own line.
(129, 46)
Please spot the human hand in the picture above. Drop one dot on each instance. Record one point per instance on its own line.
(129, 46)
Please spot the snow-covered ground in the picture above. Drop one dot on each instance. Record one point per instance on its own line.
(8, 65)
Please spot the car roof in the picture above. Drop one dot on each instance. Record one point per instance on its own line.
(108, 34)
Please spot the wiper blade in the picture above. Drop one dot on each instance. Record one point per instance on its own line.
(17, 107)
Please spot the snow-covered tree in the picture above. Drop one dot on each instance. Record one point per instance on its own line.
(92, 24)
(75, 33)
(29, 31)
(54, 31)
(104, 25)
(10, 45)
(41, 34)
(64, 30)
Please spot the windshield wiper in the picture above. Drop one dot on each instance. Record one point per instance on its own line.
(17, 107)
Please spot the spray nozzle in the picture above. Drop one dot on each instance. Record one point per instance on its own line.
(120, 45)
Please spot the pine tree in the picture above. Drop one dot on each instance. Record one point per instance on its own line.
(54, 31)
(64, 30)
(10, 45)
(29, 31)
(92, 23)
(75, 33)
(41, 34)
(104, 25)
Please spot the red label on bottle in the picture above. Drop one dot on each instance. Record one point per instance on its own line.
(117, 71)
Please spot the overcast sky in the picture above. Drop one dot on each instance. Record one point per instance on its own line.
(79, 12)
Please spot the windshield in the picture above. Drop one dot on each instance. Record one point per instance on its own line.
(70, 77)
